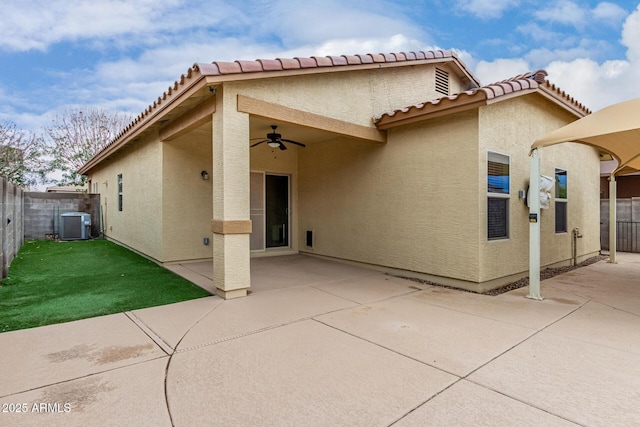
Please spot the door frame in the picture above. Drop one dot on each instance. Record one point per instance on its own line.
(264, 205)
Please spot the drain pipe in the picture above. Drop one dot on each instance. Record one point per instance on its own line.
(576, 236)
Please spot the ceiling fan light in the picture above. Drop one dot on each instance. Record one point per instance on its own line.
(273, 144)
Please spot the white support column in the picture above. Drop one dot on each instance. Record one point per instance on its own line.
(231, 224)
(534, 226)
(613, 198)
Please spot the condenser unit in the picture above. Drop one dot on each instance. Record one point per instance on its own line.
(75, 226)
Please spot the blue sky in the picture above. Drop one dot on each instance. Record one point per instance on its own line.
(121, 55)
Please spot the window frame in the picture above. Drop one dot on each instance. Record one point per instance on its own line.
(499, 195)
(120, 192)
(563, 200)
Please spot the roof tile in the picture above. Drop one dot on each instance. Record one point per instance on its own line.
(338, 60)
(531, 80)
(250, 66)
(366, 59)
(307, 62)
(270, 64)
(352, 59)
(228, 67)
(289, 64)
(400, 56)
(323, 61)
(377, 57)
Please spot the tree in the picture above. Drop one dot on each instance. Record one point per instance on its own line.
(21, 156)
(78, 135)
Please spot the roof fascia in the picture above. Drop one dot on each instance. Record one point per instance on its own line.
(430, 111)
(561, 101)
(153, 118)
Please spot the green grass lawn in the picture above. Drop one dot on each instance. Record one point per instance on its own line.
(54, 282)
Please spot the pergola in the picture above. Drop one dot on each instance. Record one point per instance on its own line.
(614, 130)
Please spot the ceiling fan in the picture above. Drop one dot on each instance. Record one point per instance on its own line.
(275, 140)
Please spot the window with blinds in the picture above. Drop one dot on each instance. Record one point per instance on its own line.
(561, 201)
(498, 193)
(442, 82)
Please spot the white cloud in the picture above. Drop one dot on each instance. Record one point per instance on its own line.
(568, 12)
(594, 84)
(564, 12)
(36, 24)
(500, 69)
(486, 9)
(609, 13)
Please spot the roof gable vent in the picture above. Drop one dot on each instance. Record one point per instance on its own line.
(442, 82)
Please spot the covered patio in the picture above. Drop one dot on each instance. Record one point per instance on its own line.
(297, 270)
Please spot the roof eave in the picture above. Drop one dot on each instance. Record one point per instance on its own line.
(146, 120)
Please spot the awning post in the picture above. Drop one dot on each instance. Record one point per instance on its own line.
(613, 199)
(534, 226)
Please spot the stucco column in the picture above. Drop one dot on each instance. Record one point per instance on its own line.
(231, 225)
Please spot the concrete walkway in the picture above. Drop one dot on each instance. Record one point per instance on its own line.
(341, 345)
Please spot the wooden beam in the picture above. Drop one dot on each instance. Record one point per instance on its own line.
(281, 113)
(197, 116)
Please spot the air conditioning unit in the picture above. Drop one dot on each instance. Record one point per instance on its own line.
(75, 226)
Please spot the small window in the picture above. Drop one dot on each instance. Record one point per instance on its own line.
(442, 82)
(498, 193)
(120, 192)
(561, 201)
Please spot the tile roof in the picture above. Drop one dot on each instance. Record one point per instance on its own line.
(513, 86)
(236, 70)
(283, 64)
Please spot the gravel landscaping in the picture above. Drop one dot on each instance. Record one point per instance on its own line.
(547, 273)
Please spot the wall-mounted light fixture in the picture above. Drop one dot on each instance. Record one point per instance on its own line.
(204, 175)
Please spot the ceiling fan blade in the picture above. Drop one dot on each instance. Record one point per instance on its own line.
(258, 143)
(282, 146)
(294, 142)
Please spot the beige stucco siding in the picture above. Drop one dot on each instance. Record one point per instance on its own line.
(509, 127)
(139, 224)
(355, 96)
(187, 198)
(409, 204)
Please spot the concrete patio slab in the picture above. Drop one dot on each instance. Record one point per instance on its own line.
(585, 383)
(449, 340)
(511, 307)
(603, 325)
(371, 288)
(346, 346)
(171, 322)
(199, 273)
(301, 374)
(56, 353)
(109, 398)
(616, 285)
(467, 404)
(271, 273)
(260, 311)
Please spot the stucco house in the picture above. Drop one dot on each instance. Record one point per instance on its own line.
(405, 162)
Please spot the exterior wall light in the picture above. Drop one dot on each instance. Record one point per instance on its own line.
(204, 175)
